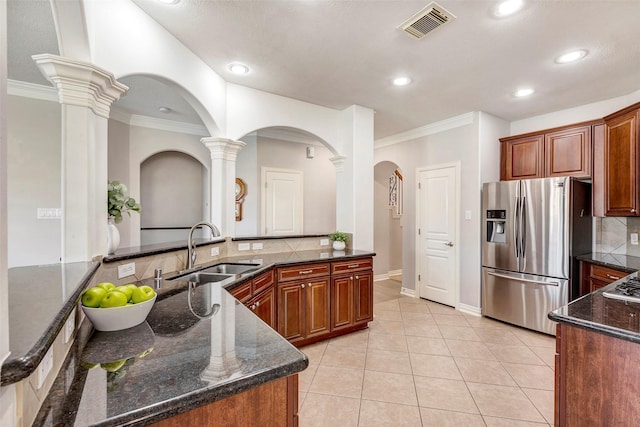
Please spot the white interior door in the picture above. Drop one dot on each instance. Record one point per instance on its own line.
(282, 202)
(437, 228)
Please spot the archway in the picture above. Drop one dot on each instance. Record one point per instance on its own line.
(388, 213)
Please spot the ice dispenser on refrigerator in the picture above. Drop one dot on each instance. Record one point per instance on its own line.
(496, 226)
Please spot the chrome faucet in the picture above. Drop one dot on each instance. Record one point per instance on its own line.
(191, 249)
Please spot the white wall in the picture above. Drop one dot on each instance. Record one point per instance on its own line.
(387, 235)
(34, 159)
(248, 170)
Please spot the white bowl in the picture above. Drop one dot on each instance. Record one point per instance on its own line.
(118, 318)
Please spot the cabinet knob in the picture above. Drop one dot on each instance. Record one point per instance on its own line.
(253, 306)
(257, 303)
(357, 277)
(351, 278)
(633, 211)
(309, 284)
(302, 286)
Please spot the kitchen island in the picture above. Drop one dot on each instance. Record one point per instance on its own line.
(597, 361)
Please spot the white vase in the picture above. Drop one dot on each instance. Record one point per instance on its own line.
(113, 237)
(339, 246)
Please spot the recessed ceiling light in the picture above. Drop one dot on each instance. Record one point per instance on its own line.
(401, 81)
(164, 109)
(237, 68)
(169, 1)
(508, 7)
(524, 92)
(573, 56)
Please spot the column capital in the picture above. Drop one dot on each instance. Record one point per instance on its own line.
(223, 148)
(80, 83)
(338, 162)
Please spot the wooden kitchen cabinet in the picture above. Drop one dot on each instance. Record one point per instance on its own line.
(352, 293)
(594, 277)
(264, 306)
(563, 151)
(258, 295)
(621, 162)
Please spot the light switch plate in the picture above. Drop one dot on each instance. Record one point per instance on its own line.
(634, 238)
(125, 270)
(45, 366)
(215, 251)
(324, 242)
(70, 327)
(467, 215)
(244, 246)
(257, 246)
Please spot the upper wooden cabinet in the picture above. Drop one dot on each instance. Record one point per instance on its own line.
(621, 162)
(564, 151)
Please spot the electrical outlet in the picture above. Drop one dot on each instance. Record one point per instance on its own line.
(215, 251)
(45, 367)
(125, 270)
(467, 215)
(634, 238)
(324, 242)
(256, 246)
(70, 327)
(244, 246)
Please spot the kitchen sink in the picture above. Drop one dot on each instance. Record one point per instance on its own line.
(200, 277)
(231, 268)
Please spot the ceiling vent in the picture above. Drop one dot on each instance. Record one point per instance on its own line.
(427, 20)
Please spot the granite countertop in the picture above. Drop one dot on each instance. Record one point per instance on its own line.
(178, 359)
(41, 298)
(627, 263)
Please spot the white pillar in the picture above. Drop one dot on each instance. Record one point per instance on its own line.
(224, 153)
(86, 93)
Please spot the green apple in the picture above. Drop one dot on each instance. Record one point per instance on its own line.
(131, 286)
(144, 353)
(142, 294)
(107, 286)
(92, 297)
(113, 366)
(114, 299)
(87, 365)
(125, 289)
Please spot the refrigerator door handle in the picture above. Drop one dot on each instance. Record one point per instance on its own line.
(535, 282)
(523, 231)
(515, 229)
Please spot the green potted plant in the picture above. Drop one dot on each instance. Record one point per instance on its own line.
(339, 240)
(117, 204)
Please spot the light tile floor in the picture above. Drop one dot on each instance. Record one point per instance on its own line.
(424, 364)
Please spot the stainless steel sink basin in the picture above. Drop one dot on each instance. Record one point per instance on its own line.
(200, 277)
(231, 268)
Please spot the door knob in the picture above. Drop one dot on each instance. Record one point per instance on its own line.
(450, 244)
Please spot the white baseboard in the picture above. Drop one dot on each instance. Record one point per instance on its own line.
(394, 273)
(469, 309)
(380, 277)
(408, 292)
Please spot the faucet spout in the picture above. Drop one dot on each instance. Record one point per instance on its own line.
(191, 246)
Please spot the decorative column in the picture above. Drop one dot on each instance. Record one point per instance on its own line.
(86, 93)
(224, 153)
(344, 198)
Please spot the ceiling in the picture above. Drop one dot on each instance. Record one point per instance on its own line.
(340, 53)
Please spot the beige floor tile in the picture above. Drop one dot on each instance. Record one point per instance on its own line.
(383, 414)
(305, 378)
(515, 354)
(344, 357)
(414, 308)
(429, 365)
(535, 339)
(498, 336)
(321, 410)
(503, 401)
(388, 361)
(387, 305)
(387, 315)
(387, 342)
(379, 326)
(427, 329)
(389, 387)
(440, 418)
(301, 397)
(411, 300)
(444, 394)
(425, 345)
(314, 352)
(470, 349)
(413, 317)
(434, 307)
(543, 400)
(459, 333)
(355, 340)
(484, 371)
(546, 354)
(531, 376)
(345, 382)
(450, 319)
(506, 422)
(484, 322)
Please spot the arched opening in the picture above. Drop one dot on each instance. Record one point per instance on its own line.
(388, 222)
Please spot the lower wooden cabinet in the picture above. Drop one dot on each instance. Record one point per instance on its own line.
(303, 309)
(264, 306)
(596, 276)
(352, 300)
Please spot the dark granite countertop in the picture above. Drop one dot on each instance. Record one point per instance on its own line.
(154, 249)
(627, 263)
(190, 361)
(604, 315)
(41, 299)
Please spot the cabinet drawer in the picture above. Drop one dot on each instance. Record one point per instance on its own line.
(352, 265)
(607, 274)
(242, 292)
(287, 274)
(263, 282)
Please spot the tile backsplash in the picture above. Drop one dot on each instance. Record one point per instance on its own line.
(613, 235)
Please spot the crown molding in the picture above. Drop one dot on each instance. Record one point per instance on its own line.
(32, 90)
(430, 129)
(168, 125)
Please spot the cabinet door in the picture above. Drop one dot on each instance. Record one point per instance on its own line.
(621, 166)
(342, 302)
(317, 307)
(523, 158)
(291, 311)
(568, 152)
(363, 296)
(264, 306)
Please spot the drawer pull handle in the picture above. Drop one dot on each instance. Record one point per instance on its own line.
(306, 271)
(612, 277)
(353, 266)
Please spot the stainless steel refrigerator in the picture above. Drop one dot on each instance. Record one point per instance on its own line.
(532, 230)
